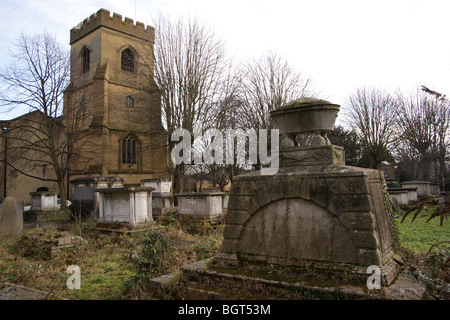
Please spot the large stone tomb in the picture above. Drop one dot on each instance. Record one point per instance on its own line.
(315, 212)
(126, 205)
(162, 198)
(206, 205)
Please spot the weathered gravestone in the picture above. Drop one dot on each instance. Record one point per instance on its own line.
(44, 200)
(129, 205)
(315, 213)
(162, 198)
(11, 220)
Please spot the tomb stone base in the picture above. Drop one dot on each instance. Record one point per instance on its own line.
(332, 219)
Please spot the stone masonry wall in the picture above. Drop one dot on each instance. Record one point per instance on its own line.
(330, 218)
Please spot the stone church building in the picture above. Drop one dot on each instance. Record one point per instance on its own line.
(113, 101)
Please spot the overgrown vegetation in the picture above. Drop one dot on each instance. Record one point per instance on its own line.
(112, 266)
(429, 240)
(440, 210)
(118, 266)
(419, 230)
(151, 255)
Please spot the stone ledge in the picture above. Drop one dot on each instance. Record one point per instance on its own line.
(332, 171)
(404, 288)
(9, 291)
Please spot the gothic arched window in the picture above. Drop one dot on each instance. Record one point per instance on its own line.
(129, 149)
(127, 60)
(86, 59)
(129, 102)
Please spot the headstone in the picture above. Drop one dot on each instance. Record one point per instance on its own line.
(11, 220)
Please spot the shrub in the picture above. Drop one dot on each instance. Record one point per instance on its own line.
(150, 254)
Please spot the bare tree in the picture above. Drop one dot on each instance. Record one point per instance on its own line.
(36, 80)
(229, 117)
(424, 119)
(372, 112)
(192, 73)
(266, 84)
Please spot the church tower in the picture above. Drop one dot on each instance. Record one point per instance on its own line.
(112, 105)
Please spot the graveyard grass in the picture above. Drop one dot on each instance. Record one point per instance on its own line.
(107, 271)
(104, 261)
(419, 235)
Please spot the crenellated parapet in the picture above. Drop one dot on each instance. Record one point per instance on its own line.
(103, 18)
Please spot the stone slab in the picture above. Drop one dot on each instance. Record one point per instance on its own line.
(331, 217)
(405, 287)
(9, 291)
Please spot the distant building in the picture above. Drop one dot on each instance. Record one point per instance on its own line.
(18, 165)
(388, 169)
(112, 80)
(112, 86)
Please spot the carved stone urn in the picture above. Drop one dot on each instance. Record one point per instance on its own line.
(303, 126)
(305, 121)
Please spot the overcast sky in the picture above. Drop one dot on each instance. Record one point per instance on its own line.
(340, 44)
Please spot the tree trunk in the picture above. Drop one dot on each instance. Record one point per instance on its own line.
(62, 193)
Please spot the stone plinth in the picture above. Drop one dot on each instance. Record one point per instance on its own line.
(332, 218)
(423, 187)
(435, 189)
(404, 196)
(200, 204)
(54, 246)
(412, 194)
(131, 205)
(83, 189)
(44, 200)
(312, 156)
(226, 199)
(162, 198)
(162, 203)
(162, 185)
(400, 195)
(84, 196)
(235, 283)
